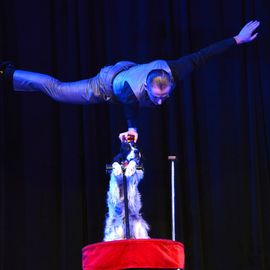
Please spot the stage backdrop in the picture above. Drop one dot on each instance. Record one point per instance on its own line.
(53, 156)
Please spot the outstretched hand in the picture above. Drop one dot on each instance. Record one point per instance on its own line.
(125, 135)
(247, 32)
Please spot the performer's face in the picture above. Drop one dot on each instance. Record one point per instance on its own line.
(158, 95)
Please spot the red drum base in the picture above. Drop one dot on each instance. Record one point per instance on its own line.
(134, 253)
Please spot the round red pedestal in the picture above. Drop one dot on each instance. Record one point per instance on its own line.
(134, 253)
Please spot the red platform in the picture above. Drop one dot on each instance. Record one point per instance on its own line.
(134, 253)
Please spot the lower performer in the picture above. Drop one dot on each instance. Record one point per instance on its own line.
(125, 165)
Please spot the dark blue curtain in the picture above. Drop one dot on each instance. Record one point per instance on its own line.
(53, 156)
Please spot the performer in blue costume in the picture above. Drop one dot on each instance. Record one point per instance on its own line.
(131, 84)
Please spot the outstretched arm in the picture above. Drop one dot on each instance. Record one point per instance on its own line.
(185, 65)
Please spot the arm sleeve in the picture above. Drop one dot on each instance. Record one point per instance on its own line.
(186, 64)
(131, 113)
(131, 105)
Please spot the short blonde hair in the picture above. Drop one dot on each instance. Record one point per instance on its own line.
(160, 78)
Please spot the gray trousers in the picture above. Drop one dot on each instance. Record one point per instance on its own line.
(94, 90)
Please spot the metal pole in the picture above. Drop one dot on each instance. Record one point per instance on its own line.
(172, 159)
(126, 206)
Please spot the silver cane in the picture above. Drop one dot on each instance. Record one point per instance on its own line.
(172, 160)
